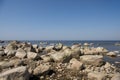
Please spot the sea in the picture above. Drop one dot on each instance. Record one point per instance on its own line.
(108, 44)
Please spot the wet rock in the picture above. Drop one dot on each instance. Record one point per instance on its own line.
(111, 54)
(41, 69)
(21, 53)
(74, 64)
(19, 73)
(96, 76)
(95, 60)
(32, 55)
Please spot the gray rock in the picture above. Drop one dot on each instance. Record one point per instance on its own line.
(19, 73)
(21, 53)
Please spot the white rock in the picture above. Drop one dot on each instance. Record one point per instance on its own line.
(32, 55)
(112, 54)
(74, 64)
(21, 53)
(41, 69)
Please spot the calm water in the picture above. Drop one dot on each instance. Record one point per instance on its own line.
(110, 45)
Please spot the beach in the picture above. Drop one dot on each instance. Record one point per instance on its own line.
(59, 60)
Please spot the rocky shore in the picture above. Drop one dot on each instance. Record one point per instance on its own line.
(26, 61)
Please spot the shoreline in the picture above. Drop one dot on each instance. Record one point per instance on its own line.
(58, 61)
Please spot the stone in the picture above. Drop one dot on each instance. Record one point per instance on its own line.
(41, 69)
(2, 53)
(111, 54)
(32, 55)
(46, 58)
(35, 46)
(116, 77)
(58, 47)
(95, 60)
(75, 46)
(97, 76)
(1, 48)
(11, 63)
(101, 50)
(60, 57)
(74, 64)
(19, 73)
(21, 53)
(48, 49)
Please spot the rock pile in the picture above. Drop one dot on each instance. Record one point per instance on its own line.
(24, 61)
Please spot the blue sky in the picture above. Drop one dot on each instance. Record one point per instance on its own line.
(60, 19)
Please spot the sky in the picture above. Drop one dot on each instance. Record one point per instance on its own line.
(59, 19)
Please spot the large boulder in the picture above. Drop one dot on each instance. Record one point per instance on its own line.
(41, 69)
(19, 73)
(95, 60)
(21, 53)
(111, 54)
(60, 57)
(74, 64)
(96, 76)
(32, 55)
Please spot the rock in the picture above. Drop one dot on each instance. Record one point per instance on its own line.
(21, 53)
(58, 47)
(116, 77)
(96, 76)
(11, 63)
(2, 53)
(32, 55)
(75, 46)
(111, 54)
(95, 60)
(19, 73)
(74, 64)
(46, 58)
(101, 50)
(1, 48)
(35, 46)
(41, 69)
(10, 49)
(48, 49)
(60, 57)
